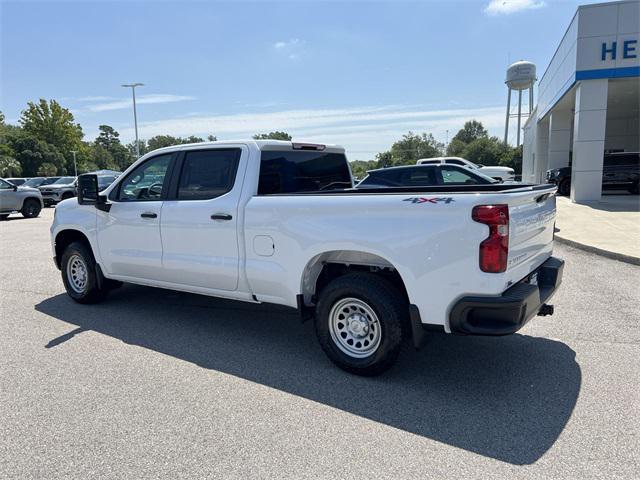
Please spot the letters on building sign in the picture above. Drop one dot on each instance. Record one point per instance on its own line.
(629, 50)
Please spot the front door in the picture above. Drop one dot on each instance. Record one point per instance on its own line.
(200, 219)
(129, 233)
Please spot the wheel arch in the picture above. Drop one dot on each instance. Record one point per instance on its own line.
(328, 265)
(66, 237)
(30, 197)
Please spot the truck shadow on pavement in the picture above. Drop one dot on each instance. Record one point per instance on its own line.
(507, 398)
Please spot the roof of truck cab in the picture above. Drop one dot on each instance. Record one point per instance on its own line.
(260, 144)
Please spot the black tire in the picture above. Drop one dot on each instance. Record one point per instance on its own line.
(4, 216)
(564, 188)
(31, 208)
(88, 292)
(380, 297)
(67, 195)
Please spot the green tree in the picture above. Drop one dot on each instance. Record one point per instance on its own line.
(32, 152)
(409, 149)
(47, 170)
(359, 168)
(277, 135)
(52, 123)
(131, 149)
(160, 141)
(9, 166)
(55, 125)
(191, 139)
(493, 151)
(212, 138)
(383, 159)
(102, 158)
(472, 130)
(108, 139)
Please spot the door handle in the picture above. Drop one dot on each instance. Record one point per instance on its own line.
(149, 215)
(221, 216)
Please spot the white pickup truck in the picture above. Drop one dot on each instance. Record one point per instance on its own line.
(279, 222)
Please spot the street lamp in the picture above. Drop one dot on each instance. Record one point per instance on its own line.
(75, 168)
(135, 115)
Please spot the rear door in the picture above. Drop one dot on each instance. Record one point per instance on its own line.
(200, 219)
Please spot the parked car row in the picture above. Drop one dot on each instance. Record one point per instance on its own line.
(24, 199)
(29, 195)
(620, 171)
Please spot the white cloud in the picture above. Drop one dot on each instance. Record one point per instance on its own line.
(140, 100)
(505, 7)
(292, 49)
(364, 131)
(96, 98)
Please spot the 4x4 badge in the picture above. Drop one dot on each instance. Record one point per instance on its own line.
(429, 199)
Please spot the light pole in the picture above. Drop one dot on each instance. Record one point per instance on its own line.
(75, 168)
(135, 115)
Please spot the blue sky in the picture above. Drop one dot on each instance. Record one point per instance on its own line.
(359, 74)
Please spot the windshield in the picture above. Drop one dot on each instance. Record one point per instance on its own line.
(105, 180)
(64, 181)
(49, 181)
(33, 182)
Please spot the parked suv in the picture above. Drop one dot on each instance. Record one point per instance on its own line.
(620, 171)
(497, 172)
(61, 189)
(13, 198)
(423, 176)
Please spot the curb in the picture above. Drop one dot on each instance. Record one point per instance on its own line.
(621, 257)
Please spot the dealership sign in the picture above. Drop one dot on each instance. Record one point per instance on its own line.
(611, 50)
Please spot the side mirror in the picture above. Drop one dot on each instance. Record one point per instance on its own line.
(88, 189)
(15, 188)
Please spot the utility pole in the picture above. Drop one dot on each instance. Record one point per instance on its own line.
(75, 168)
(135, 114)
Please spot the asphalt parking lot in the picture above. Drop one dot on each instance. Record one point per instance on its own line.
(153, 383)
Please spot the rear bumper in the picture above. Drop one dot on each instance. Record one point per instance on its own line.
(509, 312)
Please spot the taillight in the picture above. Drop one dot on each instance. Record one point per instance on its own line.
(494, 250)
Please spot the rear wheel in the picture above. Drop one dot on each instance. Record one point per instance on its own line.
(79, 274)
(564, 188)
(31, 208)
(358, 323)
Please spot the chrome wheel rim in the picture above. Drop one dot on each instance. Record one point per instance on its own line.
(354, 327)
(77, 273)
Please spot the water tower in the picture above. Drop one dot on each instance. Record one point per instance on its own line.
(520, 76)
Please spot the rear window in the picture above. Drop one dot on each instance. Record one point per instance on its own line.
(302, 171)
(620, 160)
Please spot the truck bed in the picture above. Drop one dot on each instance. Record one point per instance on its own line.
(493, 188)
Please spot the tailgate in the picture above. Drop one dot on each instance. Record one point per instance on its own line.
(532, 217)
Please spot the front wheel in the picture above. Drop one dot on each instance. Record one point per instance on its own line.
(31, 208)
(79, 274)
(358, 323)
(564, 188)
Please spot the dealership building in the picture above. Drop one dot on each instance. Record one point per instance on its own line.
(588, 98)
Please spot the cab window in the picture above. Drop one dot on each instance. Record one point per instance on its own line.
(208, 174)
(146, 181)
